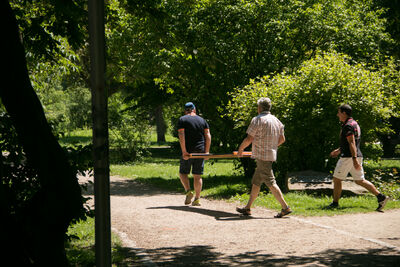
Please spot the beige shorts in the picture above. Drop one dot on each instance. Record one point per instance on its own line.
(263, 173)
(344, 166)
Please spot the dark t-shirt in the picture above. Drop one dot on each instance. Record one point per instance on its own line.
(194, 132)
(350, 127)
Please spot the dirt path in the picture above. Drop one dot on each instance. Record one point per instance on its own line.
(159, 230)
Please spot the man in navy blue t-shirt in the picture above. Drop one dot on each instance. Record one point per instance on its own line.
(351, 159)
(194, 137)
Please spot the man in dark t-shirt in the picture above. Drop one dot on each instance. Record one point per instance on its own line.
(351, 159)
(350, 127)
(194, 137)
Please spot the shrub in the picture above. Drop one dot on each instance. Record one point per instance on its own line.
(306, 101)
(129, 129)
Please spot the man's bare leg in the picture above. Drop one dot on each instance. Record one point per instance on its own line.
(337, 189)
(276, 191)
(255, 190)
(185, 181)
(197, 184)
(369, 186)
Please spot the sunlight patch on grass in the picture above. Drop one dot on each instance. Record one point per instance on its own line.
(307, 205)
(222, 181)
(80, 249)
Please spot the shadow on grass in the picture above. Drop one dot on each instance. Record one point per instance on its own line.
(85, 256)
(208, 256)
(74, 140)
(158, 185)
(139, 187)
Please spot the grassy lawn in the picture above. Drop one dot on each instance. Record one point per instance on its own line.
(80, 249)
(82, 137)
(221, 181)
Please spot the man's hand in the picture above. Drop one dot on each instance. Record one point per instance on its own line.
(245, 143)
(356, 164)
(335, 153)
(185, 155)
(240, 152)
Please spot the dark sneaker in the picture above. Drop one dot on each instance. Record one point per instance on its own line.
(333, 205)
(243, 211)
(382, 202)
(283, 212)
(189, 196)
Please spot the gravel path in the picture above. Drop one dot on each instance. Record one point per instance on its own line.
(158, 230)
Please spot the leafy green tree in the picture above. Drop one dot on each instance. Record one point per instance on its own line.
(201, 50)
(392, 15)
(35, 230)
(306, 101)
(65, 100)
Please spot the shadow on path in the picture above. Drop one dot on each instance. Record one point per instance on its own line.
(207, 256)
(129, 187)
(218, 215)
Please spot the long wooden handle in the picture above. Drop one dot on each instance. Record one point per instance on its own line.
(245, 154)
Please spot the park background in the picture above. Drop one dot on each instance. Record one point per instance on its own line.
(307, 56)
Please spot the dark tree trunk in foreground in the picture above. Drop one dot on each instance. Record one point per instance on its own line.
(160, 124)
(37, 236)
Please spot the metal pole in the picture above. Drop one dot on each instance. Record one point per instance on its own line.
(100, 133)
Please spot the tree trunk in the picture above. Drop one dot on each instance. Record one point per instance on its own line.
(160, 124)
(48, 215)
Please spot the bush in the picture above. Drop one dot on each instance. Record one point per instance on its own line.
(20, 183)
(306, 101)
(129, 129)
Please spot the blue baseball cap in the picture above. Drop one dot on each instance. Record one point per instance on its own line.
(189, 105)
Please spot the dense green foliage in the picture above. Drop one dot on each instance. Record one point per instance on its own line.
(49, 27)
(65, 101)
(168, 52)
(163, 53)
(306, 101)
(128, 130)
(20, 180)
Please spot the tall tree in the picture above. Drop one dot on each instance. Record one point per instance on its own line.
(202, 50)
(42, 224)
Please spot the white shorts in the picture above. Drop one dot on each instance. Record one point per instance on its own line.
(344, 166)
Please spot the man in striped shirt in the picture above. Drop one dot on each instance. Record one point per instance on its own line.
(265, 133)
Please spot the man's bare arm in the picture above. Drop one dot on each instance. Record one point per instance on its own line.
(281, 140)
(207, 136)
(245, 143)
(181, 135)
(353, 151)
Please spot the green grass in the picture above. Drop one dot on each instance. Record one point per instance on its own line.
(169, 138)
(221, 181)
(80, 249)
(308, 205)
(77, 137)
(386, 163)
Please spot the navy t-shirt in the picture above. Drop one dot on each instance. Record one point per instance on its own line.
(194, 132)
(350, 127)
